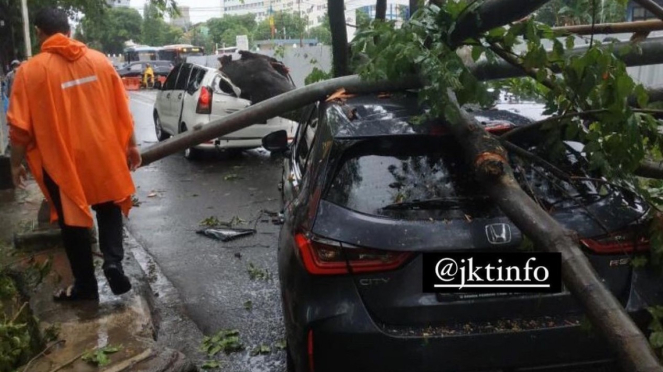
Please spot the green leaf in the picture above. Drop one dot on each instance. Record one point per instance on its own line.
(477, 51)
(210, 364)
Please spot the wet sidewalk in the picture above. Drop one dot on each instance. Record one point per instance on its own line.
(123, 324)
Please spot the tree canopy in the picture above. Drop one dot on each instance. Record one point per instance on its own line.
(109, 33)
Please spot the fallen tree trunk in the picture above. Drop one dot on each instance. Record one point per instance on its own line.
(270, 108)
(652, 54)
(612, 28)
(491, 14)
(605, 312)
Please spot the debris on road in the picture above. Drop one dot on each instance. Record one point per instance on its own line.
(225, 340)
(281, 345)
(256, 273)
(248, 305)
(136, 202)
(210, 364)
(261, 350)
(231, 177)
(99, 357)
(225, 234)
(152, 194)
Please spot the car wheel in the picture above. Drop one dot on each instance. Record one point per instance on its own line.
(190, 153)
(158, 129)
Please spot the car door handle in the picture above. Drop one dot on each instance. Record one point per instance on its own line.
(230, 111)
(168, 95)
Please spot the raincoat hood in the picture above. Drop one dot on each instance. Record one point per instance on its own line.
(68, 48)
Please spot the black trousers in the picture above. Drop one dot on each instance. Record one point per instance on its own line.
(77, 240)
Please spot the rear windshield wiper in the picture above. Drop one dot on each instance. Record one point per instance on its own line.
(436, 203)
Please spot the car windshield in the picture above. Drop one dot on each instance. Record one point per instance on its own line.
(426, 177)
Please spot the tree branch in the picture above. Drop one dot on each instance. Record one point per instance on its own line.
(612, 28)
(381, 10)
(555, 119)
(651, 6)
(603, 309)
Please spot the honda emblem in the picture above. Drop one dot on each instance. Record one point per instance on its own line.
(498, 233)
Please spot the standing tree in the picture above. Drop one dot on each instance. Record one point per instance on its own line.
(110, 32)
(340, 53)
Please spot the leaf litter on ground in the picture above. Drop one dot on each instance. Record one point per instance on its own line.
(99, 356)
(225, 340)
(261, 350)
(257, 273)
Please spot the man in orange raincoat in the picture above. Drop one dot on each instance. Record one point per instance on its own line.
(70, 116)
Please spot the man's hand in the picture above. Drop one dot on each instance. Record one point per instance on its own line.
(19, 176)
(133, 156)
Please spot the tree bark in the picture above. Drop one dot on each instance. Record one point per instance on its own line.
(381, 9)
(414, 6)
(652, 54)
(491, 14)
(270, 108)
(340, 55)
(604, 311)
(612, 28)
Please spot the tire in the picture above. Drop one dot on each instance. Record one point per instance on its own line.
(158, 129)
(190, 153)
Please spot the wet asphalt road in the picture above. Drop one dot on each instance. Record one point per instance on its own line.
(212, 281)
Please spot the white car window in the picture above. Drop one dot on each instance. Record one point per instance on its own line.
(136, 67)
(217, 86)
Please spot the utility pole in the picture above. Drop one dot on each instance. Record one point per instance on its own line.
(301, 31)
(26, 29)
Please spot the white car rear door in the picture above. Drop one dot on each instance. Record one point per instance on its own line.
(177, 96)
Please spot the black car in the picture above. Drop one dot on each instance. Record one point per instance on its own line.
(366, 192)
(133, 69)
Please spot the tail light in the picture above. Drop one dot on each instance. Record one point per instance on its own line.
(621, 242)
(327, 257)
(204, 101)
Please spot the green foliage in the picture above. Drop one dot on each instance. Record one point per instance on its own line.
(210, 364)
(287, 25)
(225, 340)
(256, 273)
(110, 32)
(656, 328)
(574, 12)
(155, 31)
(261, 350)
(14, 343)
(617, 140)
(317, 75)
(225, 29)
(99, 357)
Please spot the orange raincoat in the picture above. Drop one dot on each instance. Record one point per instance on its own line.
(69, 107)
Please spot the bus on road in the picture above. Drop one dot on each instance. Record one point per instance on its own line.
(177, 53)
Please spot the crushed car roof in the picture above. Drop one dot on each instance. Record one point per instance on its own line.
(387, 115)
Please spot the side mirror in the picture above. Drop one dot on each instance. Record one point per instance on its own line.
(276, 141)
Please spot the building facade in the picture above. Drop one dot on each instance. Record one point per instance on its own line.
(184, 19)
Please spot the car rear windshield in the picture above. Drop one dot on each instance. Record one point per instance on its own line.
(424, 177)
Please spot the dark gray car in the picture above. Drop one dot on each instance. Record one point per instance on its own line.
(133, 69)
(366, 192)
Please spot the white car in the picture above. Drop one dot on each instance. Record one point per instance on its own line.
(195, 95)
